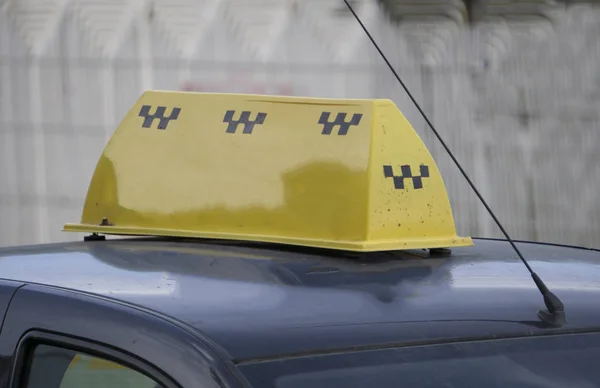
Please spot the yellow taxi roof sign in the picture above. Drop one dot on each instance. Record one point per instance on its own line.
(344, 174)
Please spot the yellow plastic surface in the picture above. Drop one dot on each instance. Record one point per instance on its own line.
(289, 179)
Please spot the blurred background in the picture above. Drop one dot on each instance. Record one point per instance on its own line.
(513, 87)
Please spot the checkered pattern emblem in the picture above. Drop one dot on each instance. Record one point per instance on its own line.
(243, 120)
(340, 121)
(417, 180)
(159, 115)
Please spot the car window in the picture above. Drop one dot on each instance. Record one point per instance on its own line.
(533, 362)
(55, 367)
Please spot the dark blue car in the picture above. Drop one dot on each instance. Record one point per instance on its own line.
(314, 248)
(176, 313)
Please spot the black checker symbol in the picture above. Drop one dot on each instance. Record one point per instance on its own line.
(244, 120)
(159, 115)
(417, 180)
(340, 120)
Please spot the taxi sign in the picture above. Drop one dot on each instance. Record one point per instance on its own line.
(348, 174)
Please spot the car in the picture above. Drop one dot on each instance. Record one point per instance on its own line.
(287, 242)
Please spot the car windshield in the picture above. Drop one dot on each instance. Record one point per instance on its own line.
(534, 362)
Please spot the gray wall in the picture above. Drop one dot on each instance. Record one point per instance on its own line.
(518, 103)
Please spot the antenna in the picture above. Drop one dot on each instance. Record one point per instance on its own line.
(555, 313)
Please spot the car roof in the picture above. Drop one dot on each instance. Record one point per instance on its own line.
(258, 301)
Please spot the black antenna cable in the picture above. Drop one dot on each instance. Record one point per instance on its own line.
(555, 313)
